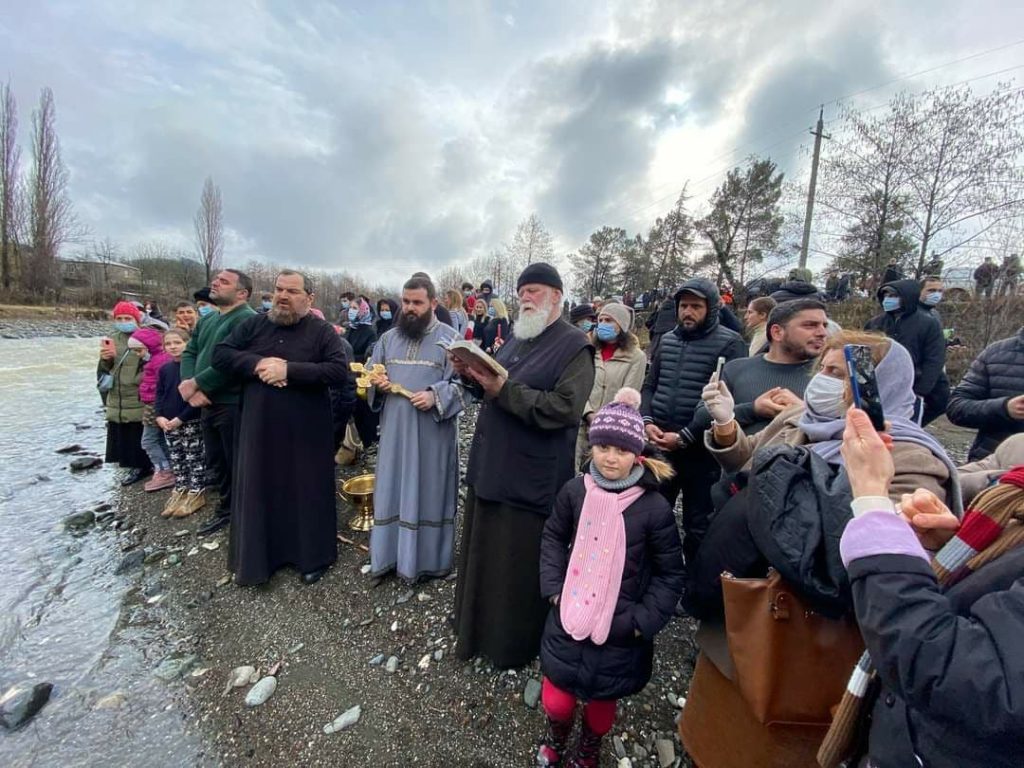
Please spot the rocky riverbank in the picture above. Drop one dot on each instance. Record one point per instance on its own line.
(348, 642)
(36, 327)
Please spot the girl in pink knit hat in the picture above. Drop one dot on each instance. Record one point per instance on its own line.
(611, 566)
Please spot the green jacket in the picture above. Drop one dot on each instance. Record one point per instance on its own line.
(123, 403)
(196, 359)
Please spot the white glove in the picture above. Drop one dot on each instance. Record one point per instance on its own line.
(719, 401)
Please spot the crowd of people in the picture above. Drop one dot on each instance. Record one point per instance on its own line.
(587, 450)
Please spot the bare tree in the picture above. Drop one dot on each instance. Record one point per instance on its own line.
(209, 228)
(668, 246)
(105, 252)
(596, 264)
(10, 155)
(531, 242)
(52, 221)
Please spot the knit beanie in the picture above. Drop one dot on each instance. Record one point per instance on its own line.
(621, 314)
(619, 423)
(541, 273)
(581, 311)
(127, 308)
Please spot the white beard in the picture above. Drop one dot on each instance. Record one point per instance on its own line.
(532, 324)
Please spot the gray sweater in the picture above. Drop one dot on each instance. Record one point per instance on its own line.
(750, 377)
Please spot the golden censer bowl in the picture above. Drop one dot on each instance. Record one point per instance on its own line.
(358, 491)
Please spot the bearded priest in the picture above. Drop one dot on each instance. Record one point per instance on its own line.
(522, 454)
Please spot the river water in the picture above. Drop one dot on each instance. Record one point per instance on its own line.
(65, 617)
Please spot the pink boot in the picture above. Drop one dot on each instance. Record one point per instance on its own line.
(163, 478)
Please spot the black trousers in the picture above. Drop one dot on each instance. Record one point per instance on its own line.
(220, 436)
(696, 471)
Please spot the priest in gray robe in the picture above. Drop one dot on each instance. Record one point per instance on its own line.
(417, 487)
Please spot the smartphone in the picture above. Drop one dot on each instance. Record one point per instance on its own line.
(864, 384)
(718, 368)
(106, 342)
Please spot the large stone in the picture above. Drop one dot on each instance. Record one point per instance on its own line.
(392, 665)
(346, 719)
(69, 448)
(83, 463)
(22, 702)
(131, 561)
(262, 691)
(666, 752)
(240, 676)
(531, 693)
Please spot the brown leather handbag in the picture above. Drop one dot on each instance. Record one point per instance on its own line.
(792, 664)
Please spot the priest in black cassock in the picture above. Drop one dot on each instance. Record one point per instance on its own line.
(284, 477)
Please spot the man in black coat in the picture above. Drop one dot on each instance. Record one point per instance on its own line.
(990, 398)
(680, 367)
(921, 334)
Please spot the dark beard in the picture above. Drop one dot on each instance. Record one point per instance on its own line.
(280, 316)
(414, 326)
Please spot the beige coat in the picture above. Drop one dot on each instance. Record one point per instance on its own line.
(758, 339)
(626, 368)
(976, 476)
(916, 466)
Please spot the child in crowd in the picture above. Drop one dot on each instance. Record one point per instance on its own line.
(180, 424)
(611, 565)
(147, 343)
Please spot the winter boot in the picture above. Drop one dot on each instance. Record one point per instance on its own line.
(588, 749)
(551, 751)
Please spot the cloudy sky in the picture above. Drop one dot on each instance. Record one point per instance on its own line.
(380, 137)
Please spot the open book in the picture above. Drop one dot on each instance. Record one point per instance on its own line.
(473, 356)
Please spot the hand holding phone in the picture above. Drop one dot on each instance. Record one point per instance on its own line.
(107, 350)
(864, 384)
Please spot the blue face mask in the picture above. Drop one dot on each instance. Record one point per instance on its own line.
(268, 304)
(385, 314)
(587, 326)
(206, 310)
(933, 298)
(353, 313)
(606, 332)
(344, 305)
(890, 303)
(492, 312)
(126, 327)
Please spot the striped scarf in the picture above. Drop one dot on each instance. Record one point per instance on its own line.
(992, 525)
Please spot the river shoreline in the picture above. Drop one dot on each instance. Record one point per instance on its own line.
(332, 640)
(35, 327)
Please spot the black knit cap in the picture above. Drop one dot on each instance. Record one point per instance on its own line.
(581, 311)
(541, 273)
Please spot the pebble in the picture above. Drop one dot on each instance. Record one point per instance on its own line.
(240, 676)
(182, 532)
(114, 700)
(154, 599)
(617, 745)
(260, 692)
(131, 561)
(365, 569)
(672, 699)
(22, 702)
(377, 660)
(173, 667)
(193, 551)
(666, 752)
(424, 597)
(346, 719)
(392, 665)
(223, 581)
(296, 648)
(424, 663)
(69, 448)
(531, 693)
(394, 626)
(173, 559)
(624, 762)
(80, 520)
(405, 597)
(366, 622)
(438, 654)
(210, 545)
(154, 556)
(83, 463)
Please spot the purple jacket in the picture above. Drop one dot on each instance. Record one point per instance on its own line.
(154, 341)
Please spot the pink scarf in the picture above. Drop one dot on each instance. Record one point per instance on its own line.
(591, 590)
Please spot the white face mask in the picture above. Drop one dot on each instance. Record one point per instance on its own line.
(824, 396)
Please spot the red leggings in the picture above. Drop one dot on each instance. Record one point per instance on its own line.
(561, 705)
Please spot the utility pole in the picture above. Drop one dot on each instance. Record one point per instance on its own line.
(817, 134)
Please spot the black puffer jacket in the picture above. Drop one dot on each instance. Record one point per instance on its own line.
(979, 402)
(362, 338)
(951, 666)
(382, 326)
(797, 289)
(683, 363)
(343, 397)
(919, 332)
(652, 581)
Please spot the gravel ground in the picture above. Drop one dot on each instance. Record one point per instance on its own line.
(433, 710)
(333, 642)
